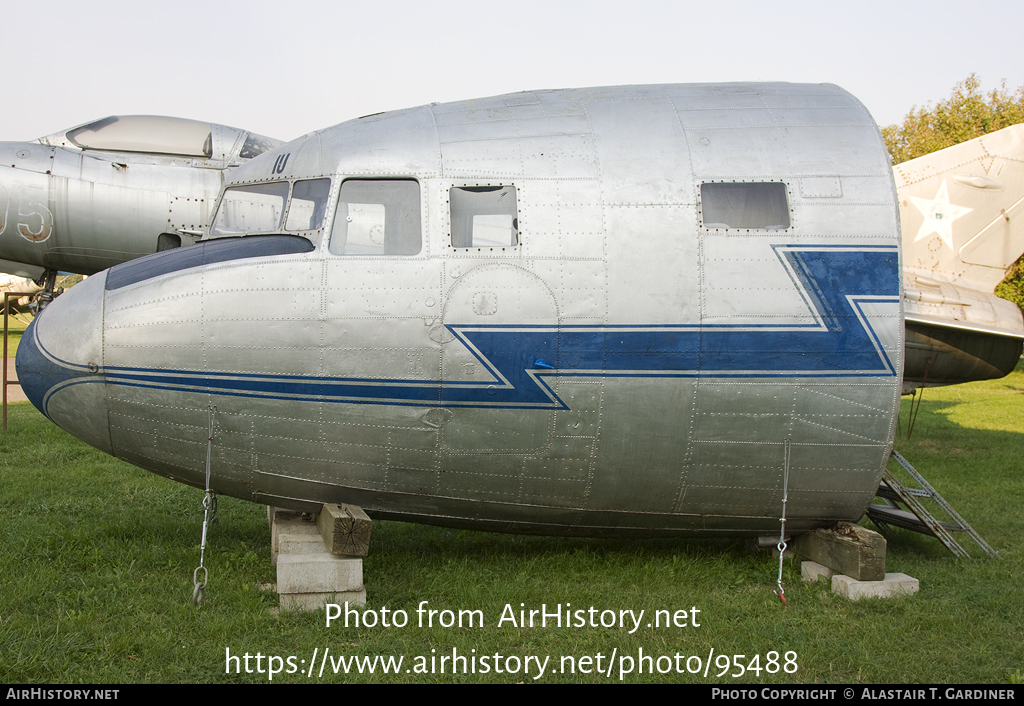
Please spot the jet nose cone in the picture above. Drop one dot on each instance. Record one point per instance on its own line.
(60, 363)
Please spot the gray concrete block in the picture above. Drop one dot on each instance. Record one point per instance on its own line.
(316, 601)
(308, 575)
(304, 539)
(813, 571)
(891, 585)
(281, 513)
(318, 573)
(300, 536)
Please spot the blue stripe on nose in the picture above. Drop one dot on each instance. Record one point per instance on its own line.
(38, 372)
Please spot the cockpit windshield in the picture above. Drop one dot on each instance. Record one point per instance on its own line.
(252, 208)
(146, 133)
(260, 208)
(256, 145)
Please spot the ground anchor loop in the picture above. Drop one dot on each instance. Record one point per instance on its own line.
(197, 592)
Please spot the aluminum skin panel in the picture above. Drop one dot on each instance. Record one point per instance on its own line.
(621, 370)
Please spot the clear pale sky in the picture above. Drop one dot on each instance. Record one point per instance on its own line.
(286, 68)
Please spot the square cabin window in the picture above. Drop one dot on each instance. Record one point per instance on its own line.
(377, 217)
(484, 216)
(745, 205)
(309, 204)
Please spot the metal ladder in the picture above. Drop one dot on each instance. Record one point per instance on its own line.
(918, 518)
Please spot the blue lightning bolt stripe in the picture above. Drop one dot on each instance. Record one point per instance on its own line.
(836, 282)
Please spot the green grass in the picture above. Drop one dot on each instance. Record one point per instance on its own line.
(97, 559)
(15, 329)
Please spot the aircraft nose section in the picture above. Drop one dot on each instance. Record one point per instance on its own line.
(37, 373)
(60, 363)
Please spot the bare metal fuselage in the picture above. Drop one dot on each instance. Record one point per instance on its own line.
(75, 208)
(622, 363)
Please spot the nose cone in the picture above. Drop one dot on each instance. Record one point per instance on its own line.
(60, 363)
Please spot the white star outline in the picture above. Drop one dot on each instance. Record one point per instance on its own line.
(939, 215)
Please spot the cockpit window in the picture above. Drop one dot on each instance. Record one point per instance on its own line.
(252, 208)
(154, 134)
(256, 145)
(377, 217)
(744, 205)
(309, 204)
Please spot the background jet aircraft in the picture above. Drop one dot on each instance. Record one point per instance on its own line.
(628, 310)
(13, 283)
(962, 212)
(93, 196)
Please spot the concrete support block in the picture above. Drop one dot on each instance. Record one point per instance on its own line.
(308, 575)
(318, 573)
(294, 536)
(891, 585)
(813, 571)
(282, 513)
(846, 549)
(316, 601)
(287, 522)
(300, 540)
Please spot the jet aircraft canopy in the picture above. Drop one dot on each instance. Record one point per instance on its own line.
(154, 134)
(146, 133)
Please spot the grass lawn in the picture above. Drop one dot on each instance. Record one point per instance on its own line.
(97, 559)
(15, 328)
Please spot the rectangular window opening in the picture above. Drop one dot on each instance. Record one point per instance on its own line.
(309, 204)
(377, 217)
(750, 206)
(484, 216)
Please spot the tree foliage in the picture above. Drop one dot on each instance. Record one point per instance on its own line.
(966, 114)
(1012, 288)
